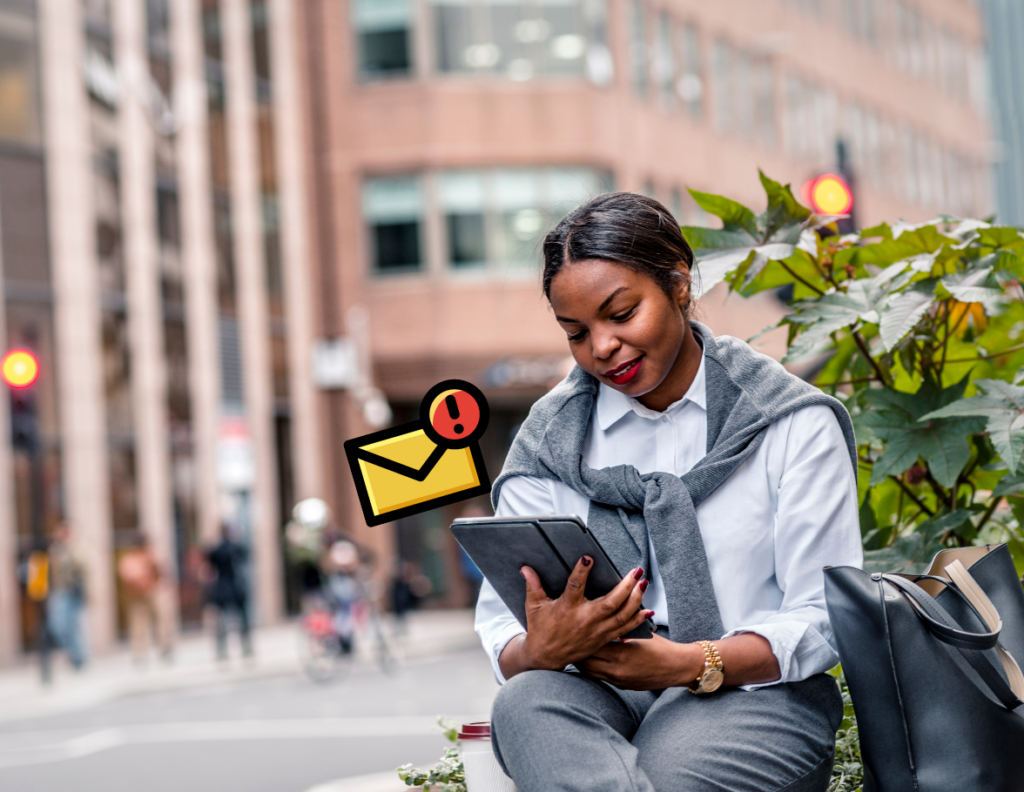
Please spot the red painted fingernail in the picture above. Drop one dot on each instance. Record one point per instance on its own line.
(643, 585)
(639, 573)
(587, 560)
(650, 615)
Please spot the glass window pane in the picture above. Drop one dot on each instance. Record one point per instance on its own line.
(393, 209)
(453, 23)
(691, 86)
(638, 47)
(721, 77)
(664, 64)
(461, 197)
(567, 47)
(19, 113)
(516, 189)
(383, 29)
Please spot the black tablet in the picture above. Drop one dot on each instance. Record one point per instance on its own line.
(552, 546)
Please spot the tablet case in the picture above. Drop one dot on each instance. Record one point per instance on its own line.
(551, 546)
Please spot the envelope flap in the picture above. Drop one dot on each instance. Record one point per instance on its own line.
(411, 454)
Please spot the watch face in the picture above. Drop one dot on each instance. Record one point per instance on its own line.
(712, 680)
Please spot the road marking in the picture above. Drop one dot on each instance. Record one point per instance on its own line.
(100, 740)
(374, 782)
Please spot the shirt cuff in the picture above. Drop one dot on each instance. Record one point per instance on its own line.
(498, 644)
(784, 638)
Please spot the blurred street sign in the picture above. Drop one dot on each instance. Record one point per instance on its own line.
(236, 460)
(335, 364)
(526, 372)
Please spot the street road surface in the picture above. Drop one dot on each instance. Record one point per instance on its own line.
(278, 734)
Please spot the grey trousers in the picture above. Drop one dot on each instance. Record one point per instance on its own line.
(556, 730)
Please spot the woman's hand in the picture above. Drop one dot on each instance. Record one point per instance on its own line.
(568, 629)
(653, 663)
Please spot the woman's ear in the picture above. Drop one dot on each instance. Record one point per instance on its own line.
(682, 288)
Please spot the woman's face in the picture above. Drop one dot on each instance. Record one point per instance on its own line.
(624, 330)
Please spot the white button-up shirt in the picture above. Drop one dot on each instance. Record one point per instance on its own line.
(786, 512)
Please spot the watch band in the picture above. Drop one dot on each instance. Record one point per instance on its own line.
(712, 676)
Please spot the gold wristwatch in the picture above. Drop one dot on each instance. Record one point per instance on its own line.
(711, 677)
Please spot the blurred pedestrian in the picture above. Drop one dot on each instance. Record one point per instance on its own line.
(340, 566)
(228, 591)
(409, 588)
(67, 594)
(140, 577)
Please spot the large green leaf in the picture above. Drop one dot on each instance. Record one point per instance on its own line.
(745, 243)
(942, 442)
(1002, 405)
(734, 215)
(973, 286)
(902, 312)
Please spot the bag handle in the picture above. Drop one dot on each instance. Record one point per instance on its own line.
(976, 595)
(940, 624)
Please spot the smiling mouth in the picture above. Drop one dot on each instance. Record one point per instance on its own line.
(626, 372)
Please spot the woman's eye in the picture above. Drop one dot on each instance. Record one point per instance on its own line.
(622, 317)
(578, 336)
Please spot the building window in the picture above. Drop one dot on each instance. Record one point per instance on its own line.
(690, 86)
(393, 211)
(490, 220)
(721, 83)
(638, 46)
(19, 111)
(522, 39)
(663, 68)
(461, 196)
(383, 29)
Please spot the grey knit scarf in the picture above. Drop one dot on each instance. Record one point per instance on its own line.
(746, 393)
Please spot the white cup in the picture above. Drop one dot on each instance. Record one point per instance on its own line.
(483, 773)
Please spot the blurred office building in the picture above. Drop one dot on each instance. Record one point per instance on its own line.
(239, 232)
(145, 265)
(447, 136)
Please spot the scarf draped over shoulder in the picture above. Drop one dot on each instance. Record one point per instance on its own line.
(746, 393)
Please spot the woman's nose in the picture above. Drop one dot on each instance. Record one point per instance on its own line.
(604, 345)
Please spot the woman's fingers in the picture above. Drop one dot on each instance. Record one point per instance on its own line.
(577, 583)
(616, 599)
(637, 619)
(535, 594)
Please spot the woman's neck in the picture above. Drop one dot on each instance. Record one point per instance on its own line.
(680, 377)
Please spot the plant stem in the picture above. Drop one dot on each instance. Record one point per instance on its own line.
(939, 490)
(912, 496)
(862, 345)
(986, 357)
(945, 340)
(989, 512)
(810, 286)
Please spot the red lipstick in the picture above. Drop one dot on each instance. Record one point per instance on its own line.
(625, 373)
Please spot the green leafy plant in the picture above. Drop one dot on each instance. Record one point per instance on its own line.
(447, 775)
(919, 330)
(848, 770)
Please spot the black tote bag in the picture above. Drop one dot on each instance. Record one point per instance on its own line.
(929, 662)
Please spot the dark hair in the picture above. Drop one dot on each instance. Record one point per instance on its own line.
(632, 230)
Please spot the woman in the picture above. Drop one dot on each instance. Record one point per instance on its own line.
(724, 484)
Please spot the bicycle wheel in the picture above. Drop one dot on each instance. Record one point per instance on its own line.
(321, 655)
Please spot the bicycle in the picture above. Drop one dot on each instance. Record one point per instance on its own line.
(325, 652)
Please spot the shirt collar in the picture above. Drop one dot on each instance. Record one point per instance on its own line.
(613, 405)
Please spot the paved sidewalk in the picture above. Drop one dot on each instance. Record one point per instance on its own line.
(113, 676)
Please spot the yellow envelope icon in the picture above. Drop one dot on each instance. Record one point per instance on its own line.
(400, 471)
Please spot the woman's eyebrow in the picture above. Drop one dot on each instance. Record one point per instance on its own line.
(600, 308)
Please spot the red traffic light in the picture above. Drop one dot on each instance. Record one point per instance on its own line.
(19, 368)
(828, 195)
